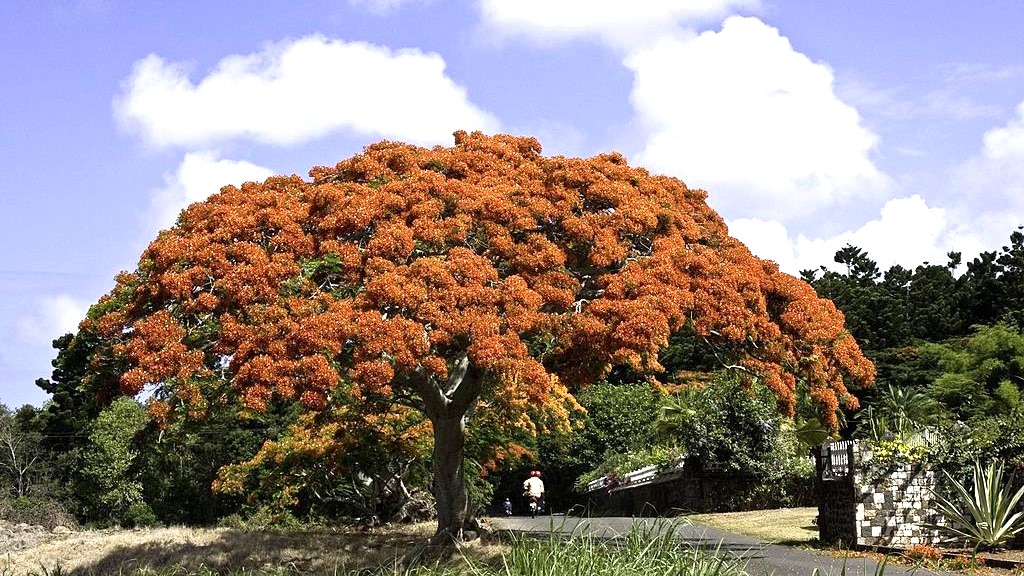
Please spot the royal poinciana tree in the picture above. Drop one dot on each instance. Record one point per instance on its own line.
(444, 279)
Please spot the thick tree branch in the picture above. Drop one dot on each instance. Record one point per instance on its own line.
(462, 398)
(458, 393)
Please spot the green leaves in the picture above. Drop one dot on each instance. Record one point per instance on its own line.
(810, 433)
(984, 514)
(899, 413)
(110, 485)
(723, 423)
(981, 374)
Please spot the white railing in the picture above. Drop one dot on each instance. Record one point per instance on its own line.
(596, 484)
(640, 476)
(837, 459)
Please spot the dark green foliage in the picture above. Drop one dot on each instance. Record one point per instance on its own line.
(982, 291)
(686, 352)
(898, 413)
(80, 389)
(859, 267)
(1011, 279)
(618, 419)
(72, 406)
(933, 304)
(937, 305)
(24, 463)
(929, 303)
(911, 366)
(730, 427)
(723, 425)
(875, 312)
(178, 466)
(959, 444)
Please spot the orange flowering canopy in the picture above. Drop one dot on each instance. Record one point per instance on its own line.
(403, 264)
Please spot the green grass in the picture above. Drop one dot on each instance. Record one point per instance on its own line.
(649, 550)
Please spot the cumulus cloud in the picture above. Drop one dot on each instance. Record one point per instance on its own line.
(991, 183)
(52, 316)
(623, 25)
(907, 232)
(998, 171)
(295, 91)
(1006, 142)
(741, 113)
(199, 175)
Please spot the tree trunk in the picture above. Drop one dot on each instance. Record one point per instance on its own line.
(447, 404)
(450, 477)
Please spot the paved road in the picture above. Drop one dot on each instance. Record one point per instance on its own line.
(761, 558)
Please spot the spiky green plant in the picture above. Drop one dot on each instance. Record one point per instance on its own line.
(650, 548)
(984, 514)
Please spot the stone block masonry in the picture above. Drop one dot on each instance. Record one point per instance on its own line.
(863, 506)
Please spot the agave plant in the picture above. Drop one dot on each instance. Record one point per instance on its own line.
(984, 513)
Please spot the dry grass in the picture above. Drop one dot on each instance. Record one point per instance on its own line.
(224, 550)
(785, 525)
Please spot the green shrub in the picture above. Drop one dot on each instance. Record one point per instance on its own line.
(138, 515)
(727, 427)
(36, 511)
(261, 518)
(233, 520)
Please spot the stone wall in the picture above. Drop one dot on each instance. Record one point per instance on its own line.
(860, 505)
(687, 489)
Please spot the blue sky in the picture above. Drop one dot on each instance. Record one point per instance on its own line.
(895, 126)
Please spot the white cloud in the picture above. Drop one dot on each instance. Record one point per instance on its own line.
(952, 101)
(295, 91)
(199, 175)
(621, 24)
(907, 232)
(991, 183)
(947, 103)
(995, 175)
(741, 113)
(1006, 142)
(51, 317)
(384, 6)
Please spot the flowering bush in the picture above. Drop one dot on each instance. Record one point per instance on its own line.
(922, 554)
